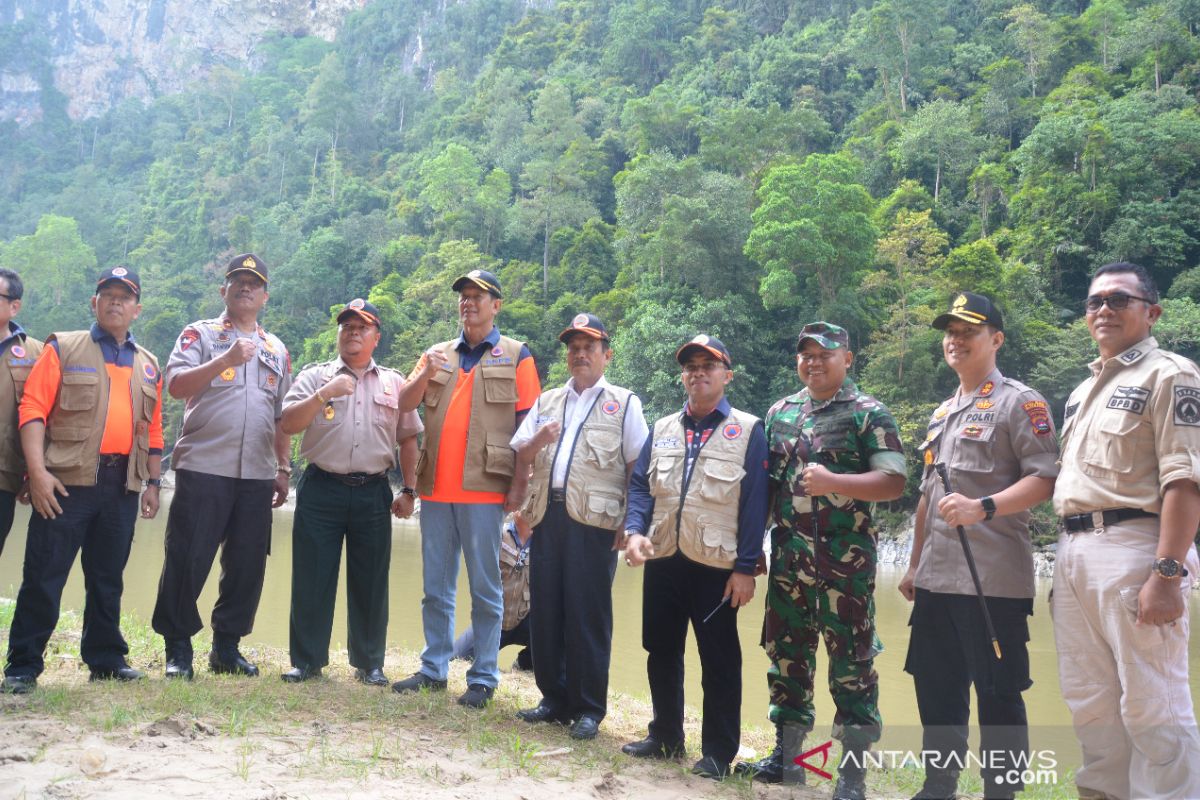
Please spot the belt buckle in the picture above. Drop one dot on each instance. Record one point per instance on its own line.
(1097, 523)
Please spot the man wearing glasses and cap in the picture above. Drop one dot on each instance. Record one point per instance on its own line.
(91, 429)
(348, 409)
(834, 451)
(581, 441)
(231, 467)
(1125, 564)
(995, 438)
(18, 353)
(476, 389)
(696, 518)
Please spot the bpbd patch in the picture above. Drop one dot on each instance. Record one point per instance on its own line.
(1129, 398)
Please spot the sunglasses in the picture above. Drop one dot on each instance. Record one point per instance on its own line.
(1117, 301)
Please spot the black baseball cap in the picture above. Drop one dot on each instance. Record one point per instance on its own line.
(360, 308)
(123, 275)
(586, 324)
(247, 262)
(973, 308)
(709, 344)
(481, 278)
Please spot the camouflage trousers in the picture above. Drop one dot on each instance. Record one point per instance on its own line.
(802, 610)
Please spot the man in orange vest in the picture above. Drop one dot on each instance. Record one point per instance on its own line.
(91, 429)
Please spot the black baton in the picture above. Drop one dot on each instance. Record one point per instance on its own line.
(966, 546)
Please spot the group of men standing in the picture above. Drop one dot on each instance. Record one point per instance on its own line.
(689, 497)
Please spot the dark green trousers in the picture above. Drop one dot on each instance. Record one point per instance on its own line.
(328, 512)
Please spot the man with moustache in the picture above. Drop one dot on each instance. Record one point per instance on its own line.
(581, 441)
(1125, 564)
(995, 437)
(91, 430)
(834, 451)
(476, 389)
(231, 467)
(348, 409)
(697, 515)
(18, 353)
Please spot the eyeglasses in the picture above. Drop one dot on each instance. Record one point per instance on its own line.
(707, 366)
(1117, 301)
(10, 298)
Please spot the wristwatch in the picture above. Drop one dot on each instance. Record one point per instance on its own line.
(1169, 568)
(410, 491)
(989, 507)
(286, 469)
(154, 481)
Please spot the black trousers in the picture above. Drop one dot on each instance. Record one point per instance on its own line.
(8, 507)
(948, 652)
(328, 512)
(207, 512)
(676, 591)
(99, 521)
(572, 566)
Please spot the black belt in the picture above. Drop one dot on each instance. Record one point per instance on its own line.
(113, 460)
(1099, 519)
(558, 495)
(350, 478)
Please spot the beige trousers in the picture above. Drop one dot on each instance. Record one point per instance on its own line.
(1125, 684)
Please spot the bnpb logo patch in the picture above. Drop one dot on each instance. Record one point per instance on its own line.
(731, 431)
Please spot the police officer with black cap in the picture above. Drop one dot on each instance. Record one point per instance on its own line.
(348, 409)
(231, 467)
(91, 429)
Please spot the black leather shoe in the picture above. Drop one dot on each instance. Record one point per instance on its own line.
(765, 770)
(544, 713)
(124, 673)
(585, 728)
(301, 674)
(418, 681)
(18, 684)
(371, 677)
(710, 767)
(653, 748)
(476, 696)
(179, 659)
(231, 664)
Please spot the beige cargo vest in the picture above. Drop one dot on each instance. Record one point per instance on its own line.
(514, 577)
(76, 424)
(703, 525)
(16, 367)
(595, 483)
(488, 465)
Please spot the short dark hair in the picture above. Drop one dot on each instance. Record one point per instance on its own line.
(16, 289)
(1146, 284)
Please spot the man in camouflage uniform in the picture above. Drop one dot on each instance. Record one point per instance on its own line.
(834, 449)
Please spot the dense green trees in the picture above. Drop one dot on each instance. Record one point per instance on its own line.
(731, 166)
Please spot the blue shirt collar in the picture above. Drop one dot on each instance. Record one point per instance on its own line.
(491, 340)
(15, 331)
(723, 408)
(99, 334)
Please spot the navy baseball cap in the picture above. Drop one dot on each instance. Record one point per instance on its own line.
(122, 275)
(360, 308)
(481, 278)
(709, 344)
(586, 324)
(973, 308)
(247, 262)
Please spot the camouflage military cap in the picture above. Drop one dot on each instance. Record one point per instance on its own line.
(826, 334)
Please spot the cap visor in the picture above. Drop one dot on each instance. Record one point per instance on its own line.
(130, 285)
(821, 341)
(253, 272)
(942, 321)
(682, 353)
(487, 287)
(592, 332)
(363, 315)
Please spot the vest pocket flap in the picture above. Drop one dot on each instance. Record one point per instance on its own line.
(717, 535)
(605, 446)
(79, 391)
(436, 386)
(722, 480)
(500, 388)
(68, 433)
(499, 458)
(149, 399)
(604, 504)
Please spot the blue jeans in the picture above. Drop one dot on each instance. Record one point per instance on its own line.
(473, 529)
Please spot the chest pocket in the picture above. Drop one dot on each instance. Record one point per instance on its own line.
(80, 391)
(499, 384)
(973, 452)
(436, 387)
(269, 376)
(230, 376)
(666, 475)
(1123, 441)
(384, 408)
(149, 400)
(603, 447)
(20, 374)
(333, 412)
(721, 480)
(832, 438)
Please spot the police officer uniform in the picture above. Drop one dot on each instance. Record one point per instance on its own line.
(577, 501)
(1129, 430)
(18, 353)
(988, 439)
(100, 437)
(225, 466)
(344, 494)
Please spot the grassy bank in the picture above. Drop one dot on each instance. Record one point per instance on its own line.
(335, 737)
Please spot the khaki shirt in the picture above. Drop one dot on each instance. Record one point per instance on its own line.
(357, 432)
(1129, 430)
(229, 428)
(988, 440)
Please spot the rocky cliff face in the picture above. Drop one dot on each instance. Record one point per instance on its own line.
(96, 52)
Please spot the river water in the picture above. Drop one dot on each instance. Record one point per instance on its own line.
(1048, 717)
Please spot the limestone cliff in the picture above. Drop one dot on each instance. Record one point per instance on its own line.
(97, 52)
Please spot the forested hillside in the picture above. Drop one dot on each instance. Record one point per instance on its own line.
(675, 166)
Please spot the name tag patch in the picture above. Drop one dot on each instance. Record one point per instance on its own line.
(667, 441)
(1129, 398)
(980, 416)
(1187, 406)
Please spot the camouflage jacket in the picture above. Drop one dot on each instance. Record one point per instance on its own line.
(850, 432)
